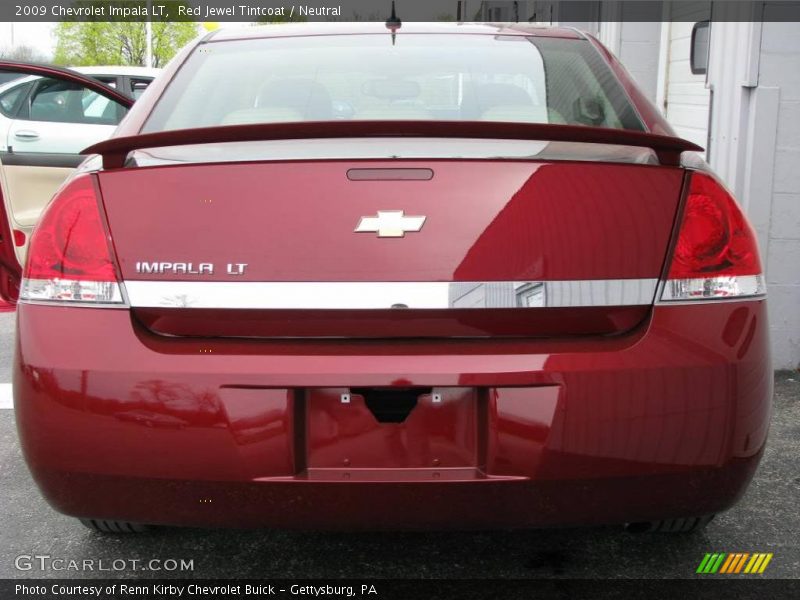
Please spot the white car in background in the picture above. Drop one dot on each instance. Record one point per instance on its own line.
(44, 115)
(45, 123)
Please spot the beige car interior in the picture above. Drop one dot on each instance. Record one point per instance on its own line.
(26, 192)
(275, 114)
(286, 100)
(292, 100)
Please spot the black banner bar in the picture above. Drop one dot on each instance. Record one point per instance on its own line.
(522, 11)
(712, 587)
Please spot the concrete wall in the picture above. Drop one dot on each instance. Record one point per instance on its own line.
(754, 71)
(779, 67)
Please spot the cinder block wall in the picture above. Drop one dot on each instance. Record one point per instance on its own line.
(780, 67)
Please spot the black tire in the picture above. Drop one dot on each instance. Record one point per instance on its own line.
(117, 527)
(684, 525)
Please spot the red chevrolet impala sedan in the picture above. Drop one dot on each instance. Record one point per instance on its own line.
(337, 276)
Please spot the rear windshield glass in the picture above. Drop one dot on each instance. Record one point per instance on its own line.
(414, 77)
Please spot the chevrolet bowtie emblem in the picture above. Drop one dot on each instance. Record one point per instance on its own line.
(390, 223)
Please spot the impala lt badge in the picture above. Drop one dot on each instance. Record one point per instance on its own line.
(390, 223)
(186, 268)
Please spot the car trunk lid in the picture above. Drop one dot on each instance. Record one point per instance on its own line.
(507, 247)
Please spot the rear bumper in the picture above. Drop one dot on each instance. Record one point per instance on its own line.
(668, 421)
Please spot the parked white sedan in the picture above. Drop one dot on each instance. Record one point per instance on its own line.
(44, 124)
(48, 116)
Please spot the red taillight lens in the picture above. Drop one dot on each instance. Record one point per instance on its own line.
(716, 254)
(69, 258)
(715, 238)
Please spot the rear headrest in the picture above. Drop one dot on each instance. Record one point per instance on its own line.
(490, 95)
(307, 96)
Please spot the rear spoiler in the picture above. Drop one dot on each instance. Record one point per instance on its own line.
(115, 150)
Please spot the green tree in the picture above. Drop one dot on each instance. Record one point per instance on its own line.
(82, 43)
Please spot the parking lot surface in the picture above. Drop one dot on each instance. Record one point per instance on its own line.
(765, 520)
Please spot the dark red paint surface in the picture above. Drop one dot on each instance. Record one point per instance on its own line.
(530, 432)
(393, 323)
(486, 220)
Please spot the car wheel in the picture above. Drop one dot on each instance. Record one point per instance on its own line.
(106, 526)
(683, 525)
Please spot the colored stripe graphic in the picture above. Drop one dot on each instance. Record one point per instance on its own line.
(731, 560)
(764, 564)
(734, 562)
(755, 563)
(749, 568)
(717, 564)
(703, 564)
(741, 562)
(712, 563)
(758, 563)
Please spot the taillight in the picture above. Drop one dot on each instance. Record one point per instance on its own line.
(716, 255)
(69, 257)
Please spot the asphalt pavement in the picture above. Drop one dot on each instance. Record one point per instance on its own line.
(7, 322)
(765, 520)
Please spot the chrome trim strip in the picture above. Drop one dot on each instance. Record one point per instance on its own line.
(361, 295)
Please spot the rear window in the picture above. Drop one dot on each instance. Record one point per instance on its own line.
(413, 77)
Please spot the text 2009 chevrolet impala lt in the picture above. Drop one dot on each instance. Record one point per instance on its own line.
(331, 277)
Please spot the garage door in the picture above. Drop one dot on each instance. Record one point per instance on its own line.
(688, 100)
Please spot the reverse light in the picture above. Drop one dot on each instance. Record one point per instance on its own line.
(69, 256)
(716, 255)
